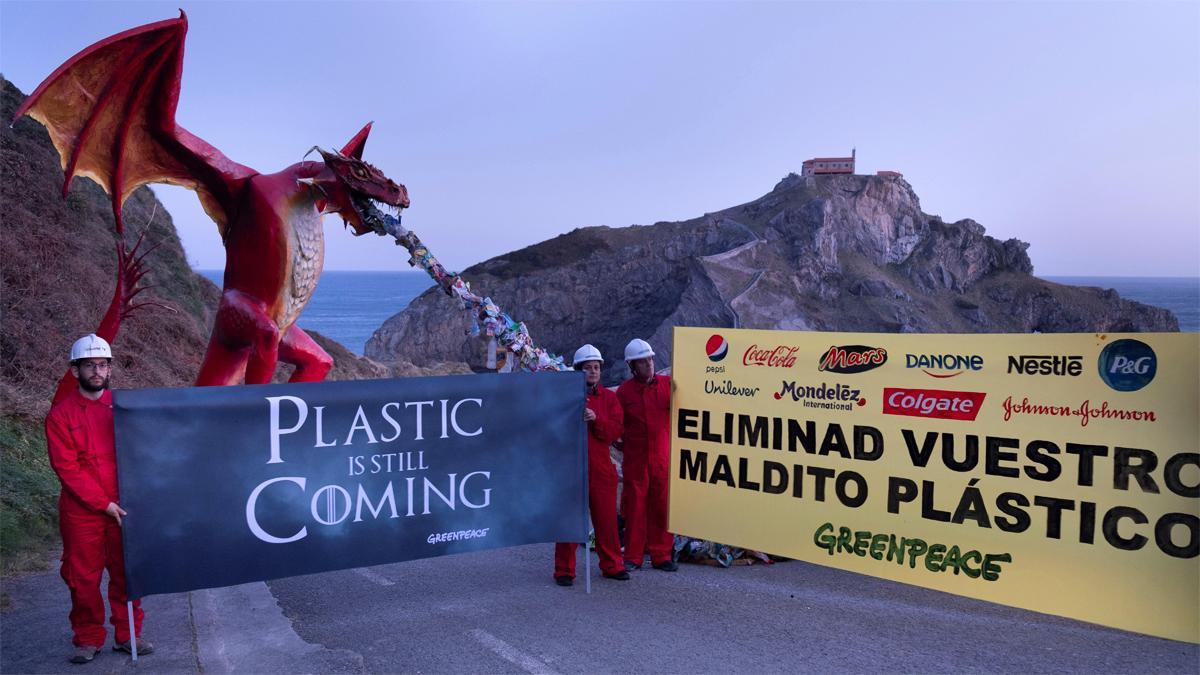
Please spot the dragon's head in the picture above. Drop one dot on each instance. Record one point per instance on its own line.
(357, 191)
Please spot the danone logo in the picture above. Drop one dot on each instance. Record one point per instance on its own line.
(850, 359)
(716, 348)
(1128, 365)
(945, 365)
(935, 403)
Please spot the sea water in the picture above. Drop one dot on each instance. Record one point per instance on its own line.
(1181, 295)
(350, 306)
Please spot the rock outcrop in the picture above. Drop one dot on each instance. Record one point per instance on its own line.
(823, 253)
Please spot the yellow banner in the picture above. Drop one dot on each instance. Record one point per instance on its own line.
(1057, 473)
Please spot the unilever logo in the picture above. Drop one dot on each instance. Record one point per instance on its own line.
(1127, 365)
(716, 348)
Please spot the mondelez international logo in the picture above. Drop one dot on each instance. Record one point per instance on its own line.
(716, 348)
(1127, 365)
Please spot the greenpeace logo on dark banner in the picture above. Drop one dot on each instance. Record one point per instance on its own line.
(851, 359)
(936, 403)
(1027, 364)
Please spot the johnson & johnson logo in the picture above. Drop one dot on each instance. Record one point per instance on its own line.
(850, 359)
(782, 356)
(935, 403)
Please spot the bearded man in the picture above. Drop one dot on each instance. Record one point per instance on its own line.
(79, 438)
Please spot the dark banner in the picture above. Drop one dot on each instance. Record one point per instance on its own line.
(227, 485)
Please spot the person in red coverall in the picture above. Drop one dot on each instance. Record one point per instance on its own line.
(79, 437)
(646, 401)
(604, 425)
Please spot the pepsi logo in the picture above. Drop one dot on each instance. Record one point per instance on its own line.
(716, 348)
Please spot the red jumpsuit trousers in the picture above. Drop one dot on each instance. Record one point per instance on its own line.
(602, 487)
(79, 437)
(647, 468)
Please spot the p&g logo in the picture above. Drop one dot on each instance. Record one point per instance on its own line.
(1127, 365)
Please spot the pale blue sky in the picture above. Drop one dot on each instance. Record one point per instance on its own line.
(1073, 126)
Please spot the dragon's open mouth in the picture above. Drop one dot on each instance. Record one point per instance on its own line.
(373, 212)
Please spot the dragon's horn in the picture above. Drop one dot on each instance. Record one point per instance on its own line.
(355, 147)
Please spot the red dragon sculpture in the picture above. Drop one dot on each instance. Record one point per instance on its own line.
(110, 112)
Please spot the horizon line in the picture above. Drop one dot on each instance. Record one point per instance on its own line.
(1036, 275)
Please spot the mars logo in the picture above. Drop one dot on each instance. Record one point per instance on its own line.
(1127, 365)
(716, 348)
(850, 359)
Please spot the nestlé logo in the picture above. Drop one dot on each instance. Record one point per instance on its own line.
(1028, 364)
(945, 405)
(851, 359)
(950, 365)
(1127, 365)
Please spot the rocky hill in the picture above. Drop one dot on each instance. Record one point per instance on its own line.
(825, 253)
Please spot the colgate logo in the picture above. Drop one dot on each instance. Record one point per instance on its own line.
(850, 359)
(932, 403)
(779, 357)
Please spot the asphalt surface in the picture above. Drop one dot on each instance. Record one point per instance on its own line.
(500, 611)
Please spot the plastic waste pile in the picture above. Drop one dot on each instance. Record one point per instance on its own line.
(712, 553)
(487, 320)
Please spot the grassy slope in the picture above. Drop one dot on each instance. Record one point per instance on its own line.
(28, 495)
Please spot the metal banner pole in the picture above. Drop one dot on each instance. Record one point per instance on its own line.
(132, 633)
(587, 566)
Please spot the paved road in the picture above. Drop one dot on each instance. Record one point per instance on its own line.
(501, 612)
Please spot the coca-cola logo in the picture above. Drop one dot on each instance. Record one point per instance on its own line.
(782, 356)
(851, 359)
(932, 403)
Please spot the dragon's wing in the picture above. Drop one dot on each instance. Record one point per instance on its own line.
(110, 111)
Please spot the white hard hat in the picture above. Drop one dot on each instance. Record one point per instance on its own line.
(638, 349)
(586, 353)
(90, 346)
